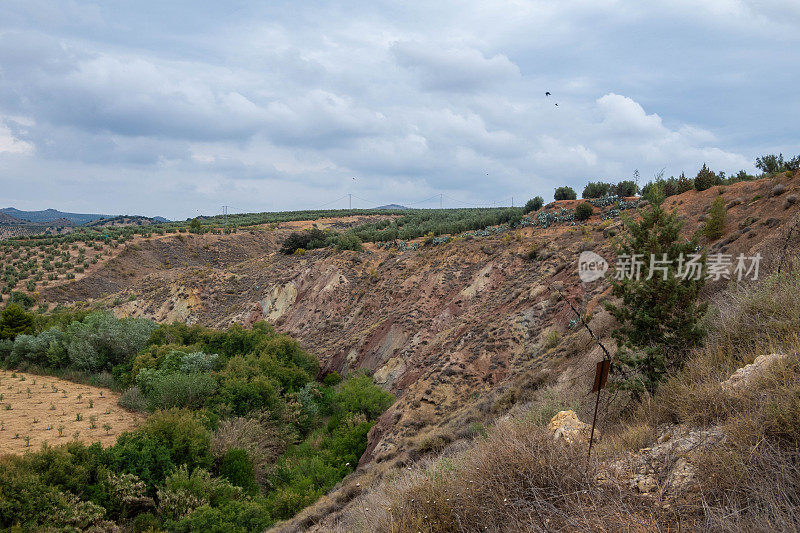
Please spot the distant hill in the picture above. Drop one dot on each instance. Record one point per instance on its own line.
(49, 215)
(125, 220)
(61, 222)
(8, 220)
(391, 207)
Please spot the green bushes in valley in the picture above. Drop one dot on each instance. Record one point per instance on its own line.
(241, 434)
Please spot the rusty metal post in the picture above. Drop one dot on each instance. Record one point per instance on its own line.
(594, 423)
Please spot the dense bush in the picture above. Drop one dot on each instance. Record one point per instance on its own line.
(774, 164)
(583, 211)
(565, 193)
(534, 204)
(307, 240)
(597, 189)
(241, 434)
(97, 342)
(625, 188)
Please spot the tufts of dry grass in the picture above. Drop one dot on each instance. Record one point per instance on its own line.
(516, 479)
(751, 482)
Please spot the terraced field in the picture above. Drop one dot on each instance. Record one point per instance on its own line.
(36, 409)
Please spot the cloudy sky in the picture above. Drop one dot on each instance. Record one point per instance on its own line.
(175, 108)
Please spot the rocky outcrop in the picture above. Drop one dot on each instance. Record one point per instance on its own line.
(668, 469)
(742, 377)
(567, 426)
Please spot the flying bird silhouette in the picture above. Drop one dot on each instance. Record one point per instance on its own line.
(556, 104)
(547, 93)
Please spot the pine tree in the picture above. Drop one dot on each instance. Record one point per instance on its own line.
(14, 320)
(659, 317)
(715, 223)
(705, 179)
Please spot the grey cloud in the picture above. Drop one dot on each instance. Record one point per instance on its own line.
(278, 106)
(453, 69)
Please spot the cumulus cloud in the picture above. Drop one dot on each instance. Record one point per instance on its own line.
(272, 107)
(453, 69)
(9, 143)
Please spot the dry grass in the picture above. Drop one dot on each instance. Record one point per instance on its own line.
(517, 479)
(263, 439)
(751, 482)
(47, 409)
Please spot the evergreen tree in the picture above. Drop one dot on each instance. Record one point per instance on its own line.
(715, 223)
(658, 313)
(195, 226)
(705, 179)
(625, 188)
(14, 320)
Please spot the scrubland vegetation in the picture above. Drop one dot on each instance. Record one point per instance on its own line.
(239, 432)
(515, 477)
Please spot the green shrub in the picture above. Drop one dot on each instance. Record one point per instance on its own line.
(583, 211)
(534, 204)
(133, 400)
(348, 241)
(715, 223)
(243, 397)
(167, 439)
(596, 190)
(181, 390)
(565, 193)
(237, 467)
(332, 379)
(705, 179)
(360, 395)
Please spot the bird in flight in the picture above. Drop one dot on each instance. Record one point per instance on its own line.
(556, 104)
(547, 93)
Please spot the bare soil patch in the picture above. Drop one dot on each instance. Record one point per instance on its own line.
(36, 409)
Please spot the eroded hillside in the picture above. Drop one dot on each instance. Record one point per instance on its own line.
(459, 331)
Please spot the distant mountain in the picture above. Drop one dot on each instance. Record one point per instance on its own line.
(50, 215)
(8, 220)
(391, 207)
(53, 217)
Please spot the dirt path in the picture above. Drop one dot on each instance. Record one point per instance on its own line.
(41, 407)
